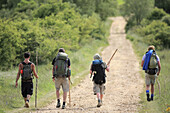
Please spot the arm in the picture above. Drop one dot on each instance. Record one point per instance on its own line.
(143, 60)
(18, 75)
(91, 69)
(33, 69)
(142, 63)
(159, 69)
(108, 68)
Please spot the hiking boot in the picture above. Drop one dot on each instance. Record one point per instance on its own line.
(148, 99)
(151, 98)
(26, 104)
(58, 105)
(63, 106)
(99, 104)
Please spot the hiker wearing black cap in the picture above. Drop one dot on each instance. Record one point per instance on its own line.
(26, 68)
(61, 71)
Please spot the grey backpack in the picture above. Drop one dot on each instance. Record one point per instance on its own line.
(60, 65)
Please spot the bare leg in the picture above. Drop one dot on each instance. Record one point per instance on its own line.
(101, 96)
(98, 96)
(28, 97)
(58, 94)
(147, 87)
(27, 101)
(58, 98)
(99, 99)
(64, 96)
(152, 89)
(147, 92)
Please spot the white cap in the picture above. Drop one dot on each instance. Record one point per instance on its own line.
(97, 57)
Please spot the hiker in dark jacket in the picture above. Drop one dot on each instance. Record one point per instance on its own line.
(151, 65)
(60, 74)
(98, 68)
(25, 70)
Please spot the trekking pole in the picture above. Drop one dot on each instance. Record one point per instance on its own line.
(36, 79)
(69, 95)
(159, 87)
(112, 57)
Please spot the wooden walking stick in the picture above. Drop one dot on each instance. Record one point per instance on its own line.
(112, 57)
(69, 94)
(159, 87)
(36, 79)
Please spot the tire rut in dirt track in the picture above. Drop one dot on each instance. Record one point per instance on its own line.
(124, 83)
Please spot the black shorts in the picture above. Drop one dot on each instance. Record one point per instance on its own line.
(26, 88)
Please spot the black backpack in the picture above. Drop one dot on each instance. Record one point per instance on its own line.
(99, 73)
(27, 71)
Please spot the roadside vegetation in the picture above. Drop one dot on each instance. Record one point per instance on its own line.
(151, 29)
(45, 26)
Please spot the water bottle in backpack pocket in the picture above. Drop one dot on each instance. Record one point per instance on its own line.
(26, 72)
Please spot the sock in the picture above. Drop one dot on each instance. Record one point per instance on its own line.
(58, 100)
(27, 100)
(99, 100)
(147, 94)
(147, 91)
(64, 103)
(152, 96)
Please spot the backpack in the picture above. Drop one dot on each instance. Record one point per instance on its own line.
(99, 72)
(26, 71)
(60, 65)
(153, 61)
(153, 64)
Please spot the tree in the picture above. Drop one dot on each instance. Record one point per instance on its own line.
(164, 4)
(137, 9)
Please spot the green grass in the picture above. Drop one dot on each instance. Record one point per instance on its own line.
(160, 103)
(10, 97)
(120, 2)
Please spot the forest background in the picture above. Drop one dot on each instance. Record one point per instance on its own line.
(82, 28)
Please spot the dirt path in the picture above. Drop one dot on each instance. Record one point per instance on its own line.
(124, 83)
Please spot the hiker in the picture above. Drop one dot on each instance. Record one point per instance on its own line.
(98, 69)
(151, 65)
(61, 73)
(25, 70)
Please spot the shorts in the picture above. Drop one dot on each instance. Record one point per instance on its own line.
(98, 88)
(26, 88)
(150, 79)
(62, 81)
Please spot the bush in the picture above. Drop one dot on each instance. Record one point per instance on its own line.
(156, 14)
(131, 38)
(157, 33)
(166, 19)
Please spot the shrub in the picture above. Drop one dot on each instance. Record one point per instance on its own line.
(156, 14)
(166, 19)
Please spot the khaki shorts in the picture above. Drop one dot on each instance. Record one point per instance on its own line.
(150, 79)
(62, 81)
(98, 88)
